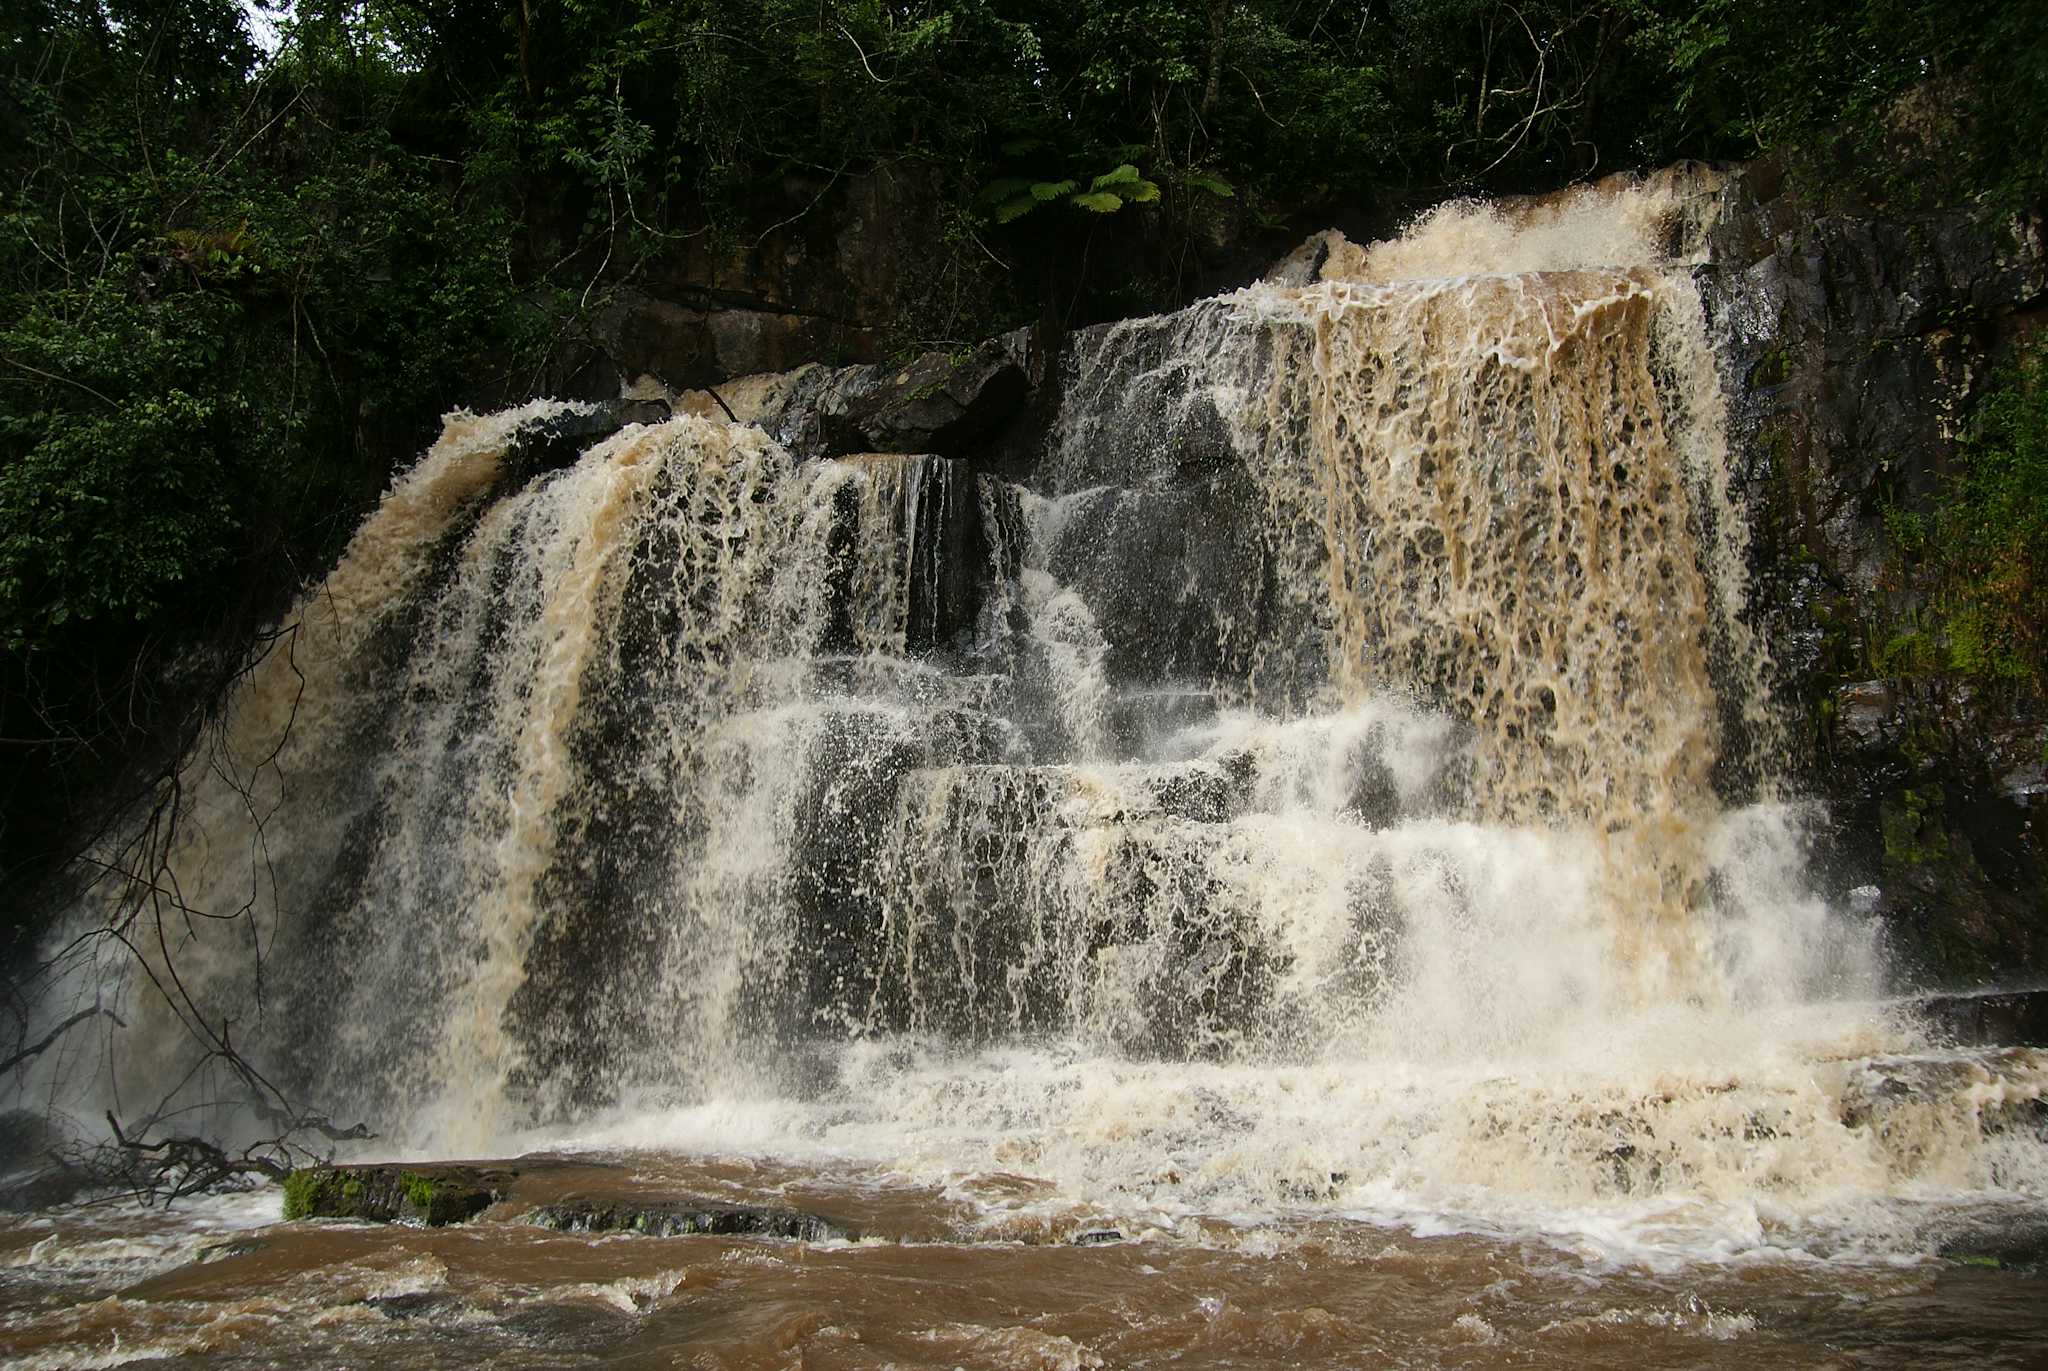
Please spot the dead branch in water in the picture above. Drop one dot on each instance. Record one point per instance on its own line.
(150, 920)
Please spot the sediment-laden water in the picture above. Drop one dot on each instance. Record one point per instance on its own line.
(991, 1271)
(1299, 876)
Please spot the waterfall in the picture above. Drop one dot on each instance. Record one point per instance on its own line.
(1338, 772)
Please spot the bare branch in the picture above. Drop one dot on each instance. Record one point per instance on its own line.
(59, 1031)
(863, 56)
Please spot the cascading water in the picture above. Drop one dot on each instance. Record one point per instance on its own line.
(1336, 779)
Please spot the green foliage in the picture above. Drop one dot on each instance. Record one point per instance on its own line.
(234, 290)
(328, 1192)
(1912, 825)
(1914, 101)
(317, 1192)
(115, 490)
(1012, 198)
(1974, 562)
(301, 1189)
(420, 1192)
(1208, 183)
(1993, 535)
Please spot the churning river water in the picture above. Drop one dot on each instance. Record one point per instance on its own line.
(989, 1271)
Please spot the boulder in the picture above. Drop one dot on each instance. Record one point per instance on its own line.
(940, 403)
(557, 441)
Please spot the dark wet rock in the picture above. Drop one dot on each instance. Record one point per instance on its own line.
(44, 1187)
(986, 833)
(1142, 721)
(1035, 795)
(650, 411)
(1157, 524)
(664, 1218)
(941, 403)
(556, 442)
(1199, 791)
(839, 262)
(428, 1194)
(1171, 573)
(1885, 1092)
(1866, 713)
(418, 1304)
(948, 404)
(1999, 1239)
(1853, 347)
(38, 1166)
(2011, 1019)
(687, 335)
(234, 1247)
(1096, 1237)
(944, 550)
(1304, 265)
(845, 806)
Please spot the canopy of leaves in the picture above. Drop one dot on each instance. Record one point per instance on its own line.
(231, 286)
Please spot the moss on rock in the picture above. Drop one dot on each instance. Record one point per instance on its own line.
(388, 1194)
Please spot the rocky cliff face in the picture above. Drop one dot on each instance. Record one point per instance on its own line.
(1854, 347)
(831, 280)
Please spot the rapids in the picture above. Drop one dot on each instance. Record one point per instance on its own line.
(1321, 826)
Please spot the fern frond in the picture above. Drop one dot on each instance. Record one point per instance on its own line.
(1013, 209)
(1002, 190)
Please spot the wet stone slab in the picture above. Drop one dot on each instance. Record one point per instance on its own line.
(676, 1219)
(579, 1196)
(428, 1195)
(2015, 1018)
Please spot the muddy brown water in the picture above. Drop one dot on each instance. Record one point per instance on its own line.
(935, 1281)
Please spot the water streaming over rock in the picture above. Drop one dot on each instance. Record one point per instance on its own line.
(1338, 775)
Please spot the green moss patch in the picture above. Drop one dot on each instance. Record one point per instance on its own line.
(389, 1194)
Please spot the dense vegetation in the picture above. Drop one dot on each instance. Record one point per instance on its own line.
(247, 255)
(1978, 559)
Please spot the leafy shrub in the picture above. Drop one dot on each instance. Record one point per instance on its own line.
(1993, 534)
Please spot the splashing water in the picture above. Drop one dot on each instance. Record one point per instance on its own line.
(1337, 779)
